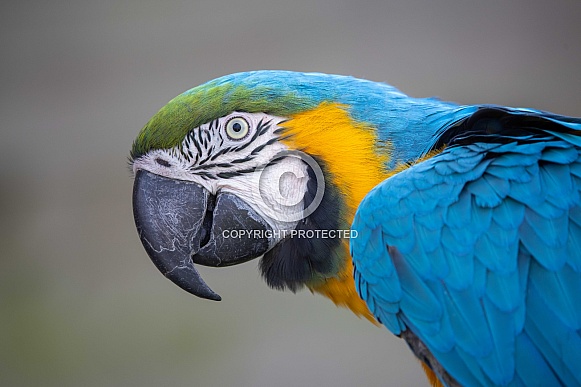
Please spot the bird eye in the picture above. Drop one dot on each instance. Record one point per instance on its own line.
(237, 128)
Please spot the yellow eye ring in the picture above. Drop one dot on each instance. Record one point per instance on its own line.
(237, 128)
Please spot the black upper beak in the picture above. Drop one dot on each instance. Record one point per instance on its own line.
(180, 223)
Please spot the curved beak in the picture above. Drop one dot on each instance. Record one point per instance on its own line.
(180, 223)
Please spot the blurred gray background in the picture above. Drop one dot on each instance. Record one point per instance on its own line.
(80, 301)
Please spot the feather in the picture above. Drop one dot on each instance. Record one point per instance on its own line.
(509, 214)
(574, 246)
(500, 365)
(560, 346)
(560, 291)
(531, 366)
(503, 290)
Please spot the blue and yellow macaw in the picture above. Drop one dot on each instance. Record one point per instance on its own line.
(457, 227)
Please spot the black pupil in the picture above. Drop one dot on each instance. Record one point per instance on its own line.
(237, 127)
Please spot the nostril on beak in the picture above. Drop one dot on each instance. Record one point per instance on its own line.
(206, 229)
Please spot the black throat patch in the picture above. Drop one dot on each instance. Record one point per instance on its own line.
(312, 254)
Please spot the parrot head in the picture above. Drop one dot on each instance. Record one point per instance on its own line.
(264, 164)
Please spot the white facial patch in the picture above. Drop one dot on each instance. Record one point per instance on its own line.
(226, 155)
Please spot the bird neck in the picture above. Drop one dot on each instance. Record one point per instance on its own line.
(357, 159)
(355, 162)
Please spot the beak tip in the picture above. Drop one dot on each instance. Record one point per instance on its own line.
(190, 281)
(211, 295)
(217, 298)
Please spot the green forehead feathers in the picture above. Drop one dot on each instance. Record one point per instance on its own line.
(168, 127)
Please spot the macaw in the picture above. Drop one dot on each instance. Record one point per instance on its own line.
(457, 227)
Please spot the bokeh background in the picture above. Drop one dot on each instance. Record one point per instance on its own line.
(80, 302)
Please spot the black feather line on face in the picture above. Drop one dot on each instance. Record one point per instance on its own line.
(239, 172)
(220, 152)
(262, 129)
(202, 162)
(257, 150)
(227, 175)
(293, 262)
(195, 136)
(245, 159)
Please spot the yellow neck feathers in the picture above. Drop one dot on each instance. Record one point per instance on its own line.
(349, 150)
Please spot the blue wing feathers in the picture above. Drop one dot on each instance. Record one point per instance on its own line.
(551, 357)
(575, 214)
(575, 169)
(487, 262)
(527, 191)
(443, 339)
(480, 278)
(548, 228)
(428, 230)
(532, 368)
(425, 203)
(503, 290)
(509, 214)
(456, 240)
(496, 258)
(438, 264)
(554, 338)
(556, 182)
(553, 258)
(517, 174)
(515, 159)
(484, 193)
(500, 362)
(547, 210)
(432, 220)
(570, 138)
(560, 156)
(418, 300)
(461, 270)
(481, 219)
(574, 246)
(523, 266)
(501, 236)
(469, 323)
(397, 227)
(458, 213)
(500, 186)
(560, 292)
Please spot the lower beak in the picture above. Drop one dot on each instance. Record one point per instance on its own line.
(180, 223)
